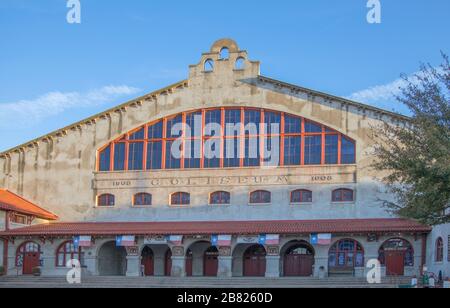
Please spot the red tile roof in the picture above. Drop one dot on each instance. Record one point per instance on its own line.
(221, 227)
(12, 202)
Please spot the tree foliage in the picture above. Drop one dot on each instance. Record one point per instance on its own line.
(416, 154)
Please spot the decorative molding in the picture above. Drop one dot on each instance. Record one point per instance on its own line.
(178, 251)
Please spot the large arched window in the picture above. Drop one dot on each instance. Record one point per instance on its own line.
(106, 200)
(439, 250)
(142, 199)
(180, 198)
(260, 197)
(66, 252)
(301, 196)
(346, 253)
(220, 198)
(343, 195)
(227, 138)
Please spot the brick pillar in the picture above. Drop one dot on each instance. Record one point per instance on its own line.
(225, 263)
(133, 262)
(273, 262)
(178, 262)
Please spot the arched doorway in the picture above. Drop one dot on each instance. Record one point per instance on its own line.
(168, 263)
(255, 261)
(112, 260)
(344, 256)
(202, 260)
(28, 257)
(298, 260)
(395, 254)
(148, 261)
(211, 262)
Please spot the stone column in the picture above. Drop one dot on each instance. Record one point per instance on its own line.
(273, 262)
(225, 263)
(90, 263)
(178, 262)
(133, 262)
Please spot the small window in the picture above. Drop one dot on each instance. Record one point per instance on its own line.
(439, 250)
(260, 197)
(106, 200)
(343, 195)
(240, 63)
(142, 199)
(224, 54)
(180, 198)
(19, 219)
(301, 196)
(209, 65)
(219, 197)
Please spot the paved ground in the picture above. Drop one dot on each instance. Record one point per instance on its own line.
(195, 282)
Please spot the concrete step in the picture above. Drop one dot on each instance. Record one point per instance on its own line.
(197, 282)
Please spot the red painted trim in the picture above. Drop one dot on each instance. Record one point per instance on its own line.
(5, 256)
(7, 220)
(424, 252)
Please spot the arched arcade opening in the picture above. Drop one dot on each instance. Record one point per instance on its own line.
(112, 260)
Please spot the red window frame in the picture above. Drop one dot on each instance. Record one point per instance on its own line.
(140, 199)
(223, 196)
(342, 195)
(180, 199)
(258, 197)
(67, 253)
(346, 253)
(439, 250)
(302, 193)
(106, 200)
(130, 138)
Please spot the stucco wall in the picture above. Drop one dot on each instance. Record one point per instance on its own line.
(442, 231)
(58, 173)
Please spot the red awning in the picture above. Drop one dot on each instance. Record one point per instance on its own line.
(222, 227)
(12, 202)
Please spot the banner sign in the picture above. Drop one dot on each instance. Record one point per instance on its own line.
(155, 240)
(321, 239)
(125, 241)
(82, 241)
(248, 239)
(269, 239)
(175, 239)
(221, 240)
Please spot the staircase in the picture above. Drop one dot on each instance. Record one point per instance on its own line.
(197, 282)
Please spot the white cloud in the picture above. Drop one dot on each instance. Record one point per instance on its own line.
(54, 103)
(384, 96)
(383, 93)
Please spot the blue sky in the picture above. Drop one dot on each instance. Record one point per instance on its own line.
(53, 73)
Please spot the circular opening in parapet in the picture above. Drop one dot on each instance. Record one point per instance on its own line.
(240, 63)
(224, 53)
(209, 65)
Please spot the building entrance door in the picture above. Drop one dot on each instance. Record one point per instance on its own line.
(211, 262)
(255, 262)
(148, 262)
(30, 261)
(395, 265)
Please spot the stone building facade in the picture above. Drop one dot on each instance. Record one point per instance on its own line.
(316, 211)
